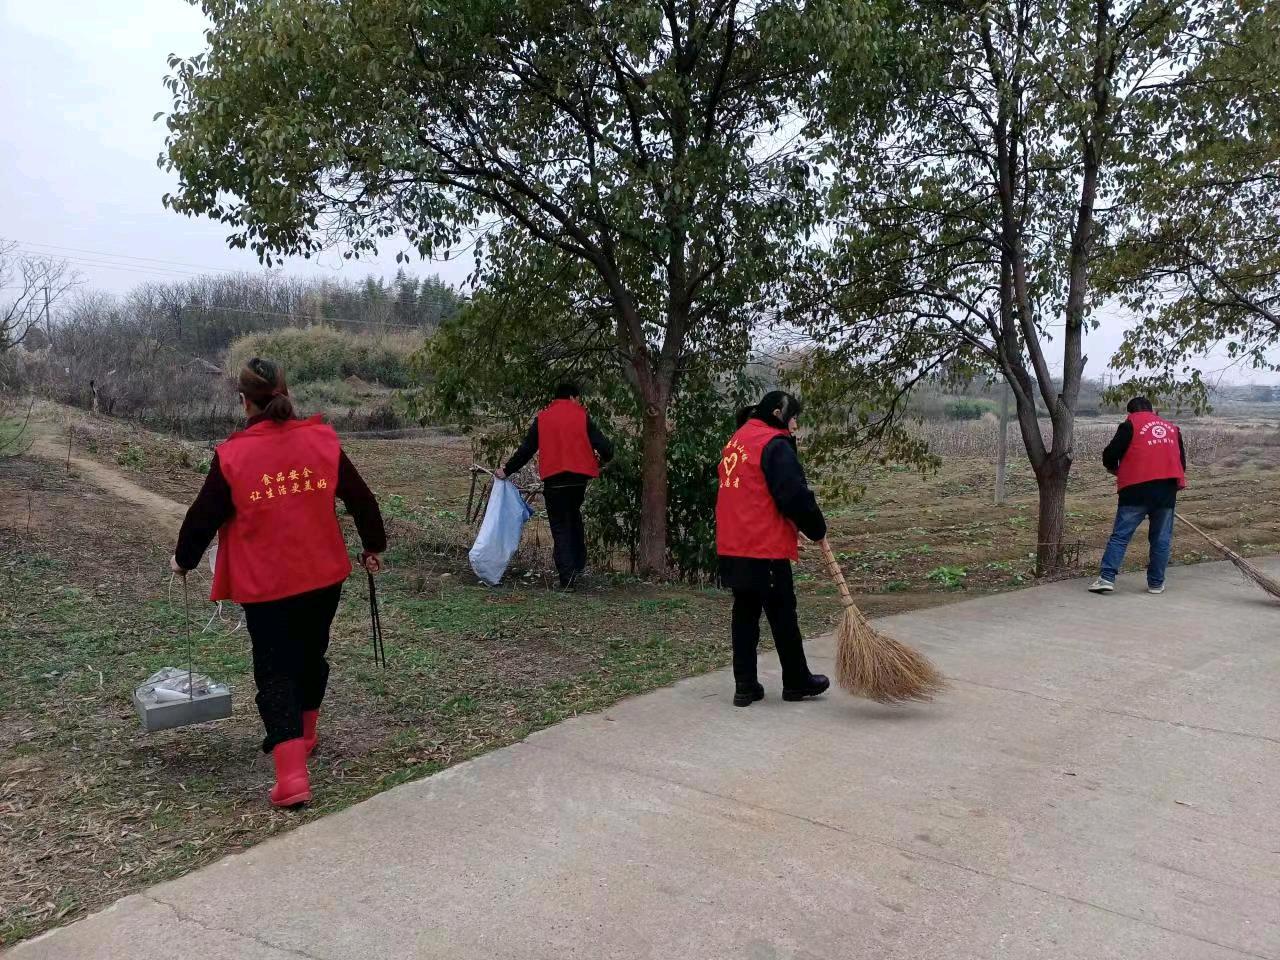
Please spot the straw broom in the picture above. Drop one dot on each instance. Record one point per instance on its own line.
(871, 665)
(1244, 566)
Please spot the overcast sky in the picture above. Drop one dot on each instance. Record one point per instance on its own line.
(79, 84)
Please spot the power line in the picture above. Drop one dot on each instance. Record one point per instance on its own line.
(126, 256)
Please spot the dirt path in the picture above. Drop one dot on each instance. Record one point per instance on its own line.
(159, 508)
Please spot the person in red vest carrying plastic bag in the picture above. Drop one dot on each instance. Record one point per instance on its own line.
(763, 504)
(1150, 466)
(571, 449)
(270, 498)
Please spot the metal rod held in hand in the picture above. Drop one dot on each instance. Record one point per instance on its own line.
(191, 659)
(375, 624)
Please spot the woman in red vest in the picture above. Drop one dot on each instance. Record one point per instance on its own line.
(270, 499)
(1150, 465)
(764, 503)
(571, 450)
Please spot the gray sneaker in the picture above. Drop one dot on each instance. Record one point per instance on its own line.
(1159, 589)
(1101, 586)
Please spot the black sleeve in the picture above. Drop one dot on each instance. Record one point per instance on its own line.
(524, 453)
(1116, 449)
(1182, 452)
(211, 509)
(362, 505)
(790, 490)
(601, 444)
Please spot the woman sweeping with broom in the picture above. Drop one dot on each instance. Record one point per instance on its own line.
(763, 504)
(270, 498)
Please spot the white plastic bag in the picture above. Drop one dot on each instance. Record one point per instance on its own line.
(499, 537)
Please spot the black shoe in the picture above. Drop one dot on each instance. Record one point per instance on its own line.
(816, 686)
(745, 694)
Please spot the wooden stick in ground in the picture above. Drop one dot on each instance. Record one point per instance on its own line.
(871, 665)
(1244, 566)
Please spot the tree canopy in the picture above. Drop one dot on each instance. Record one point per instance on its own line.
(1201, 255)
(666, 147)
(986, 227)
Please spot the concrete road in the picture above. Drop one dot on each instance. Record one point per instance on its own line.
(1102, 781)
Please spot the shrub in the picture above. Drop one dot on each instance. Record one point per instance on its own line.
(966, 409)
(311, 354)
(324, 394)
(948, 577)
(702, 420)
(132, 456)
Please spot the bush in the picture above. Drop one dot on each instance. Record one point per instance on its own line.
(967, 409)
(137, 373)
(703, 420)
(489, 371)
(322, 353)
(324, 394)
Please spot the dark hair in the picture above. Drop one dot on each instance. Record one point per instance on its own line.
(1140, 405)
(262, 383)
(771, 401)
(567, 391)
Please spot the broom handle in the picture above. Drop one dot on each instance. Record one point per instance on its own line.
(1217, 543)
(837, 574)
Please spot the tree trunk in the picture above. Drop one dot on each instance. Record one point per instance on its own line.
(653, 493)
(1051, 481)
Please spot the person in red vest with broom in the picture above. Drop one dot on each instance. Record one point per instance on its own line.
(1150, 466)
(764, 503)
(270, 498)
(571, 450)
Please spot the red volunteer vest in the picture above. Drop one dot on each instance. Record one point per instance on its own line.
(748, 522)
(283, 538)
(563, 444)
(1154, 453)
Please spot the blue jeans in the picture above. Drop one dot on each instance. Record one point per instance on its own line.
(1159, 533)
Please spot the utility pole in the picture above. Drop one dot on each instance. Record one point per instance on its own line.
(1002, 456)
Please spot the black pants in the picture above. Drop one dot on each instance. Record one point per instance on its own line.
(290, 637)
(568, 536)
(778, 603)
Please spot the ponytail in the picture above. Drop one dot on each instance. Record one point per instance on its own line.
(774, 400)
(279, 408)
(262, 383)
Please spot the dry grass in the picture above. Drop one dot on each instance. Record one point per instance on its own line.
(1207, 440)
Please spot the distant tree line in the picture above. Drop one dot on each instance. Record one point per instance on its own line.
(205, 315)
(156, 353)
